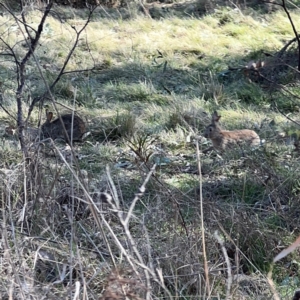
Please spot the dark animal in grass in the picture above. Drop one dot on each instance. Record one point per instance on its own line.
(55, 129)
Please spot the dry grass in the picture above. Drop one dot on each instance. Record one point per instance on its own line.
(74, 228)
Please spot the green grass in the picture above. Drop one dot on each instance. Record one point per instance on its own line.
(151, 94)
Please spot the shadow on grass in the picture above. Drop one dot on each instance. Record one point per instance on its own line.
(159, 10)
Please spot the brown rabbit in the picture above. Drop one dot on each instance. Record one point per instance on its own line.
(221, 139)
(55, 129)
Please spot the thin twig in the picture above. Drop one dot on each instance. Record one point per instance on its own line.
(138, 195)
(229, 274)
(286, 116)
(202, 222)
(294, 30)
(174, 201)
(50, 87)
(124, 220)
(92, 206)
(271, 283)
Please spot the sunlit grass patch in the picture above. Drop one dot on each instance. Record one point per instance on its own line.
(136, 92)
(147, 101)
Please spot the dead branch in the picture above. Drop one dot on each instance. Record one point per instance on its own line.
(294, 30)
(62, 70)
(32, 43)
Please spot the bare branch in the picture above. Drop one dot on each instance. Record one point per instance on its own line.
(294, 30)
(62, 71)
(21, 73)
(78, 33)
(26, 25)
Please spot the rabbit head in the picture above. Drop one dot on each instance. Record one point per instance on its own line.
(214, 129)
(55, 128)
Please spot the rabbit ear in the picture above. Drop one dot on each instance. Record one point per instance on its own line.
(49, 115)
(215, 117)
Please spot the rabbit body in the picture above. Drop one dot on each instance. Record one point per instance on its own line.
(55, 129)
(222, 139)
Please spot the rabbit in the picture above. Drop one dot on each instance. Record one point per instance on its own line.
(221, 139)
(55, 129)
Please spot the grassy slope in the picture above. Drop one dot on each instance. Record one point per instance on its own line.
(161, 79)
